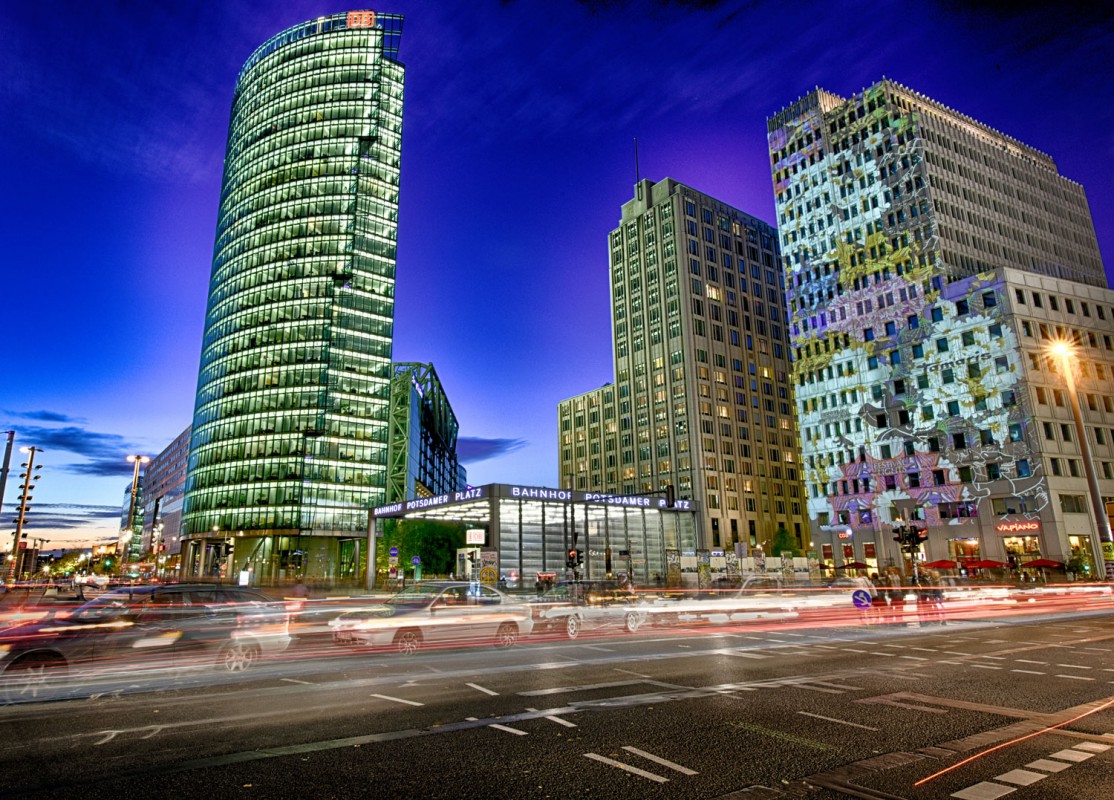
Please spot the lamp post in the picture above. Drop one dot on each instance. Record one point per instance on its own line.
(1065, 352)
(139, 461)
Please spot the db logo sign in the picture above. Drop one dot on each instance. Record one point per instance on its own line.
(361, 19)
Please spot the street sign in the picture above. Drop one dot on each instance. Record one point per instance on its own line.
(861, 598)
(416, 561)
(393, 552)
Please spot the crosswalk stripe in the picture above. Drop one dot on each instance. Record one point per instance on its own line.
(659, 760)
(640, 772)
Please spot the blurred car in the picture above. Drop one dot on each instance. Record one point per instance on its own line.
(142, 627)
(570, 607)
(759, 597)
(435, 613)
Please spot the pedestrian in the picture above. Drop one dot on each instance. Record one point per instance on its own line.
(896, 595)
(878, 603)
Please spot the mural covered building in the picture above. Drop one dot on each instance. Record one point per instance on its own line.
(914, 240)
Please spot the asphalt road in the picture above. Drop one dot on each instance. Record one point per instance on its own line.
(744, 712)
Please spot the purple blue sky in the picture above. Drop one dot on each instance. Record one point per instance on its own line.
(519, 124)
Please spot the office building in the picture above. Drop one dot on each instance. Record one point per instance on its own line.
(909, 234)
(701, 397)
(164, 485)
(289, 444)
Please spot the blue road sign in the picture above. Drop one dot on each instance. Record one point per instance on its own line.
(416, 561)
(861, 598)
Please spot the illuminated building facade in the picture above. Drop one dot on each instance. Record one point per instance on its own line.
(423, 435)
(289, 446)
(164, 485)
(907, 232)
(701, 398)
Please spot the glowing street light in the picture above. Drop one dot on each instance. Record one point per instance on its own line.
(1065, 354)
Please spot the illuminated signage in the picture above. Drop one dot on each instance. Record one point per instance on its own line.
(844, 534)
(361, 19)
(1015, 527)
(535, 493)
(474, 536)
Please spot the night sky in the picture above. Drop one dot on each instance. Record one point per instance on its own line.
(519, 124)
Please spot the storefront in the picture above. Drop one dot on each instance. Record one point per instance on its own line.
(530, 530)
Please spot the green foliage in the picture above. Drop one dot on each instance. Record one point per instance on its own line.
(781, 542)
(434, 542)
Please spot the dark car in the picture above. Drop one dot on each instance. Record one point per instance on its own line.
(142, 628)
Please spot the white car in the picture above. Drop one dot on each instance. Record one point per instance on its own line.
(436, 613)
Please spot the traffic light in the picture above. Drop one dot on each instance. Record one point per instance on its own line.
(921, 535)
(579, 558)
(670, 496)
(571, 561)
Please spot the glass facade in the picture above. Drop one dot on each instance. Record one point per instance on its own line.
(290, 428)
(533, 528)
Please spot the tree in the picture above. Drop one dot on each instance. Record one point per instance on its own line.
(435, 543)
(782, 542)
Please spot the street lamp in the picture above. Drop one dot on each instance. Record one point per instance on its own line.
(1065, 353)
(16, 566)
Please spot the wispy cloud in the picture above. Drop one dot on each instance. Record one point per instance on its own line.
(42, 416)
(472, 449)
(67, 516)
(104, 454)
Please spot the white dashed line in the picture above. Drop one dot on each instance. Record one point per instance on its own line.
(659, 760)
(479, 688)
(1048, 765)
(838, 721)
(1020, 777)
(1073, 666)
(985, 666)
(294, 680)
(558, 720)
(1028, 671)
(1076, 677)
(635, 770)
(984, 791)
(398, 700)
(1071, 755)
(515, 731)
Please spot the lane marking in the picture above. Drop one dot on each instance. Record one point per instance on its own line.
(398, 700)
(1092, 747)
(635, 770)
(1029, 671)
(515, 731)
(984, 791)
(558, 720)
(1047, 765)
(985, 666)
(1076, 677)
(1020, 777)
(628, 672)
(597, 647)
(1030, 661)
(1073, 666)
(479, 688)
(840, 721)
(660, 760)
(1072, 755)
(295, 680)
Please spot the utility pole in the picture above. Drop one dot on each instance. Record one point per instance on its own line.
(25, 498)
(4, 486)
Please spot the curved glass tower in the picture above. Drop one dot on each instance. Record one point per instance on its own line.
(289, 443)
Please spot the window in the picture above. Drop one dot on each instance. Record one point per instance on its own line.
(1072, 504)
(968, 338)
(1023, 469)
(1057, 469)
(1015, 432)
(993, 471)
(962, 307)
(937, 314)
(989, 300)
(913, 480)
(966, 475)
(938, 477)
(868, 334)
(953, 408)
(913, 321)
(959, 441)
(941, 345)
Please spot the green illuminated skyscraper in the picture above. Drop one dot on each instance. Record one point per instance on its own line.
(290, 430)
